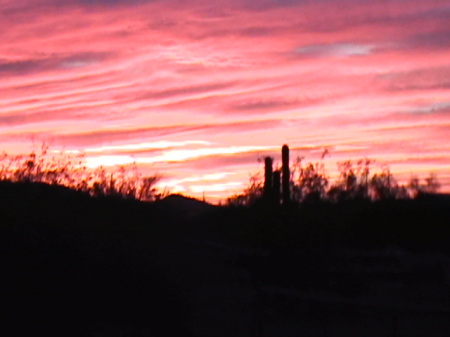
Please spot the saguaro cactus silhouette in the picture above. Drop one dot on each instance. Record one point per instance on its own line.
(268, 161)
(276, 187)
(286, 174)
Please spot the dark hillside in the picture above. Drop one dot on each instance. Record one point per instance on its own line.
(420, 224)
(184, 207)
(73, 265)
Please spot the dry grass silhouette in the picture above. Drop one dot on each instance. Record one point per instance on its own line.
(41, 166)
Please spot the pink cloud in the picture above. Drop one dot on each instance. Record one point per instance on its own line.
(362, 78)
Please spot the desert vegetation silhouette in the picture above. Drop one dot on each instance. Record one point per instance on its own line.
(309, 183)
(63, 169)
(302, 183)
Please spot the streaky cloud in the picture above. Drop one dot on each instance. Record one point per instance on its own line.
(336, 50)
(143, 80)
(158, 145)
(51, 62)
(101, 137)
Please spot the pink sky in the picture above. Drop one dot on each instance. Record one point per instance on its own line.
(198, 90)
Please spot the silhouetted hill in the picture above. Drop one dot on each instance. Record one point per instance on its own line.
(419, 224)
(438, 198)
(37, 192)
(185, 206)
(73, 265)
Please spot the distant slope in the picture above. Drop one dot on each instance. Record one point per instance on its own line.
(25, 191)
(38, 204)
(42, 204)
(184, 207)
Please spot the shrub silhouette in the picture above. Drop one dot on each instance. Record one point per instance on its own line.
(70, 171)
(431, 185)
(251, 195)
(353, 182)
(310, 183)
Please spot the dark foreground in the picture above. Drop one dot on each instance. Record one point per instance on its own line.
(73, 266)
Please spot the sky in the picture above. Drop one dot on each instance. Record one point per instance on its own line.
(199, 90)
